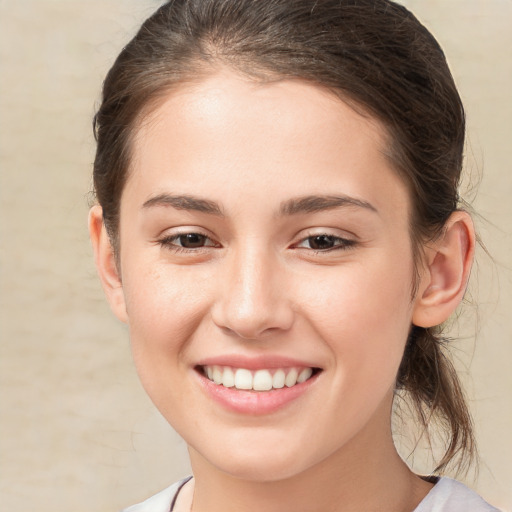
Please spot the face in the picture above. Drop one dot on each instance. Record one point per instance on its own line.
(266, 271)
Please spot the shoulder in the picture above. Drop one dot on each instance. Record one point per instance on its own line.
(160, 502)
(451, 496)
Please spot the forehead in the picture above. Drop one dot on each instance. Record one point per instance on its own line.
(284, 135)
(225, 98)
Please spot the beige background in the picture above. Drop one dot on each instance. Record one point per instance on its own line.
(77, 432)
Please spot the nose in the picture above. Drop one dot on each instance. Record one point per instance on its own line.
(253, 300)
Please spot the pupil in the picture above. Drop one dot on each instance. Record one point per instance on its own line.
(322, 242)
(191, 240)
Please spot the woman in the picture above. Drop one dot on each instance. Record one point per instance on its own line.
(279, 225)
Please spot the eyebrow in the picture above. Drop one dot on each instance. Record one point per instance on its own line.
(185, 202)
(294, 206)
(317, 203)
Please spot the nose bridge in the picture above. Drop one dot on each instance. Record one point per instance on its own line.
(253, 301)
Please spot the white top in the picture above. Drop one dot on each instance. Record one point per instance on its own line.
(447, 495)
(451, 496)
(161, 502)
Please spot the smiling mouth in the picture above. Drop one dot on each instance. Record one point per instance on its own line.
(258, 380)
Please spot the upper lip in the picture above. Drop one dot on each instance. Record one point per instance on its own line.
(264, 361)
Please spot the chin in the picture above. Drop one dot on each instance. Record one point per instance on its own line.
(262, 470)
(259, 461)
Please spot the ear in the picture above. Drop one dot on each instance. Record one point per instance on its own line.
(106, 263)
(446, 272)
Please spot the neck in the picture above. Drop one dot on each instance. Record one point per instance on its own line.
(365, 474)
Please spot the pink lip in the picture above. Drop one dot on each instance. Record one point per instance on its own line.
(265, 361)
(254, 402)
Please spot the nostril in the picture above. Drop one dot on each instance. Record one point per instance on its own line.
(254, 327)
(252, 302)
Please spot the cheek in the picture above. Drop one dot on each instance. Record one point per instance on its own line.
(165, 312)
(165, 307)
(363, 312)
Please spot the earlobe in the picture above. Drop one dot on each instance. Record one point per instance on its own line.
(106, 263)
(446, 272)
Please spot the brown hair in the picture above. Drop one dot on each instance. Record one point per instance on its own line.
(375, 55)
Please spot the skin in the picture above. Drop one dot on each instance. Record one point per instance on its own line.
(258, 287)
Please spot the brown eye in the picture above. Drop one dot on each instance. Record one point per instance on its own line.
(191, 243)
(191, 240)
(322, 242)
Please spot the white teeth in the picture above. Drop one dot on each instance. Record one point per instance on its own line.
(278, 379)
(291, 378)
(260, 380)
(228, 379)
(304, 375)
(217, 375)
(243, 379)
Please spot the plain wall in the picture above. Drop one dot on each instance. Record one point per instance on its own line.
(77, 433)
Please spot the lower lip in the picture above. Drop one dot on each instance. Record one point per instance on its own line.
(255, 402)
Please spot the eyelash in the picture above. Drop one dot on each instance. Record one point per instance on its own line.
(170, 243)
(343, 244)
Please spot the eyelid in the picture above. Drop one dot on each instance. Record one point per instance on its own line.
(169, 238)
(346, 241)
(166, 239)
(325, 231)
